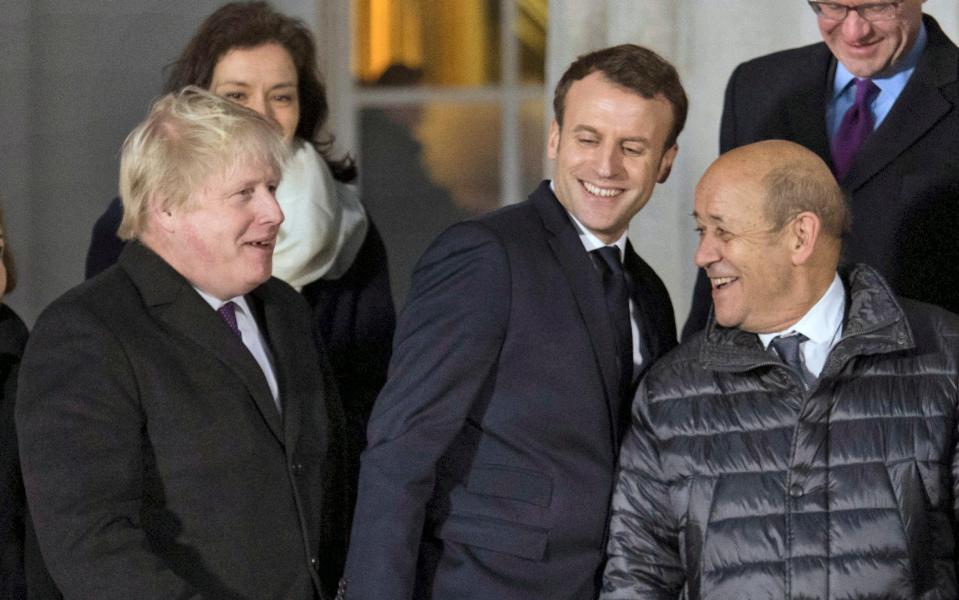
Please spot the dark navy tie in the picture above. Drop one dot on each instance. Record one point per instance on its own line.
(616, 289)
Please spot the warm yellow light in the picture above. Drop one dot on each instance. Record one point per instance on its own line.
(449, 42)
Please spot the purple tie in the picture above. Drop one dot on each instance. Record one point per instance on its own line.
(228, 312)
(855, 127)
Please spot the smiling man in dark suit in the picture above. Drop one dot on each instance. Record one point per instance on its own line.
(877, 100)
(170, 451)
(492, 448)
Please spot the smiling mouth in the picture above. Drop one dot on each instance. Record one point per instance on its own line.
(602, 192)
(862, 45)
(262, 244)
(721, 282)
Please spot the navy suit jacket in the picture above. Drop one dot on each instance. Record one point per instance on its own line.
(903, 183)
(493, 446)
(155, 461)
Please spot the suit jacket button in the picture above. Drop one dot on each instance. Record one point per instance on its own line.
(298, 467)
(314, 562)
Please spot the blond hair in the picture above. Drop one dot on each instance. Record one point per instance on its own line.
(188, 137)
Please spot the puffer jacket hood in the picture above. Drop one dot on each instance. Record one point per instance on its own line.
(737, 482)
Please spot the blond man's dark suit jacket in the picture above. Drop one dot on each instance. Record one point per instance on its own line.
(493, 446)
(904, 183)
(155, 461)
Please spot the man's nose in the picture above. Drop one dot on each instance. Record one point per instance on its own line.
(707, 252)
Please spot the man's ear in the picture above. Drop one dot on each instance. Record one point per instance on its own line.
(803, 232)
(162, 213)
(552, 147)
(666, 163)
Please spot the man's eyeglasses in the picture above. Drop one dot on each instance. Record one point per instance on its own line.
(876, 11)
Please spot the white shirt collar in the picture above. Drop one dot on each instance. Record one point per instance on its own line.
(589, 239)
(252, 338)
(893, 82)
(822, 324)
(216, 303)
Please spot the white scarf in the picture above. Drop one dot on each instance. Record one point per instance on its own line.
(325, 223)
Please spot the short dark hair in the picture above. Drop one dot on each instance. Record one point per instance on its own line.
(635, 68)
(792, 189)
(248, 25)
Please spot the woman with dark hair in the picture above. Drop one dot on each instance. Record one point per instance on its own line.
(13, 515)
(328, 248)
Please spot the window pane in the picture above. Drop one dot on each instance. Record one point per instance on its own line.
(532, 144)
(433, 42)
(424, 168)
(530, 30)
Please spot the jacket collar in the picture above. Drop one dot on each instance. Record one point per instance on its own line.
(805, 104)
(919, 107)
(587, 289)
(874, 324)
(172, 300)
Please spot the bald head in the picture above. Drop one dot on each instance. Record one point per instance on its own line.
(771, 219)
(792, 180)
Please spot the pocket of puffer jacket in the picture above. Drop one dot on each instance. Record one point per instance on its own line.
(910, 494)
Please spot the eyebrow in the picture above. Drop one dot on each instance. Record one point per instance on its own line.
(638, 138)
(245, 84)
(716, 218)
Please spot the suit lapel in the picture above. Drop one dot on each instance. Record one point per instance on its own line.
(919, 107)
(172, 300)
(295, 379)
(806, 105)
(587, 288)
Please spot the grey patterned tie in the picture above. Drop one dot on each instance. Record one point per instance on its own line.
(788, 349)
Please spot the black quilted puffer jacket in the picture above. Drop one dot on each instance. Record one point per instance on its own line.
(735, 483)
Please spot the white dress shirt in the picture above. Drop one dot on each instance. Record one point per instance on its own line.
(252, 339)
(822, 324)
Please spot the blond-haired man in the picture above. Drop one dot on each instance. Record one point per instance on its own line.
(173, 411)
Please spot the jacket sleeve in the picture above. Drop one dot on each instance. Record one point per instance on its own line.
(643, 549)
(728, 132)
(447, 343)
(954, 469)
(702, 302)
(84, 449)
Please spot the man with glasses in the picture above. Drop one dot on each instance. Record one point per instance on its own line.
(877, 101)
(803, 447)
